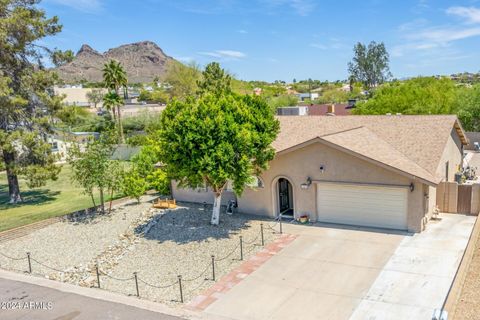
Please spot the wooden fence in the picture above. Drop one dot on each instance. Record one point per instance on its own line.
(458, 198)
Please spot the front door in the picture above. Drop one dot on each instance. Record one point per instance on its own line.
(283, 195)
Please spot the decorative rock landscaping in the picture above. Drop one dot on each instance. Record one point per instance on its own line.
(159, 245)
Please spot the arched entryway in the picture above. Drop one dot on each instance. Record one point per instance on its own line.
(284, 198)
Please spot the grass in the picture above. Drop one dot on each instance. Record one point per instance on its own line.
(55, 199)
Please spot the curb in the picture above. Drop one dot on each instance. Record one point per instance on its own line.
(99, 294)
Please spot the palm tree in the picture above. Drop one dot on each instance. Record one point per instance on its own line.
(115, 78)
(110, 101)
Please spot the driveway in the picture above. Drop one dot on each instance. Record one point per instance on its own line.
(331, 272)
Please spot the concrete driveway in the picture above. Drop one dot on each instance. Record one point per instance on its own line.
(332, 272)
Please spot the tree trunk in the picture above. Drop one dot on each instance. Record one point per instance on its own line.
(102, 201)
(120, 125)
(13, 186)
(93, 200)
(217, 203)
(111, 200)
(114, 114)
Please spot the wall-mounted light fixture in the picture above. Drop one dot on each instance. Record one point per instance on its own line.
(307, 184)
(322, 168)
(412, 187)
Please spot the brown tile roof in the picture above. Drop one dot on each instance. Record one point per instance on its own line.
(412, 144)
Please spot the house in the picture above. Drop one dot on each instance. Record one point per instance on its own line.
(307, 96)
(293, 111)
(61, 142)
(339, 109)
(375, 171)
(76, 96)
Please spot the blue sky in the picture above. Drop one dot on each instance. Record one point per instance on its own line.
(282, 39)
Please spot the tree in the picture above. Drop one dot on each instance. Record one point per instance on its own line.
(91, 166)
(114, 179)
(95, 96)
(145, 163)
(27, 103)
(115, 78)
(468, 105)
(282, 101)
(423, 95)
(215, 80)
(217, 138)
(370, 64)
(182, 79)
(110, 101)
(134, 185)
(59, 58)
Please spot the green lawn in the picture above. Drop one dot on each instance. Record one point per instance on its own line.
(55, 199)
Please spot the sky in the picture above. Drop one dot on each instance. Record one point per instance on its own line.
(281, 39)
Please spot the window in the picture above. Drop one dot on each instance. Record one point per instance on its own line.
(446, 171)
(256, 183)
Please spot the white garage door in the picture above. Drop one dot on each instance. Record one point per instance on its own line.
(383, 207)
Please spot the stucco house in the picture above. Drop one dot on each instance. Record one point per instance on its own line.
(376, 171)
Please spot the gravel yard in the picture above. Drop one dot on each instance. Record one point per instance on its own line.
(157, 244)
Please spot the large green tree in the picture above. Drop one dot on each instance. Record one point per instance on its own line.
(370, 64)
(216, 138)
(182, 79)
(27, 104)
(115, 79)
(423, 95)
(215, 80)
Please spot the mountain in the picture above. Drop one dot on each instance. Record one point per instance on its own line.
(143, 61)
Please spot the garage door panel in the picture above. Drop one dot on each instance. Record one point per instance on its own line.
(384, 207)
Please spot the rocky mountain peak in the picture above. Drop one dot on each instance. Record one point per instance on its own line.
(143, 61)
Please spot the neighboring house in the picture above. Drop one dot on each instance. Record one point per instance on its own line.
(61, 142)
(307, 96)
(76, 96)
(339, 109)
(293, 111)
(377, 171)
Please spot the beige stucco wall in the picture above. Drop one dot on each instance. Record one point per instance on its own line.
(453, 154)
(296, 166)
(199, 195)
(76, 96)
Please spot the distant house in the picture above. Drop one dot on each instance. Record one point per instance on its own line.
(76, 96)
(340, 109)
(62, 141)
(293, 111)
(307, 96)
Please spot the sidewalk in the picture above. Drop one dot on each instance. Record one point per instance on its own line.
(52, 300)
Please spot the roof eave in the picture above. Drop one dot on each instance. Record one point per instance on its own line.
(430, 182)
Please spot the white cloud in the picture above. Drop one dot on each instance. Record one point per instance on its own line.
(318, 46)
(444, 35)
(471, 14)
(421, 37)
(185, 59)
(81, 5)
(224, 54)
(301, 7)
(242, 31)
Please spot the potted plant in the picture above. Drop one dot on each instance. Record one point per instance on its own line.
(303, 218)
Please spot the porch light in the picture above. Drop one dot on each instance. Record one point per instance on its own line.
(307, 184)
(412, 187)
